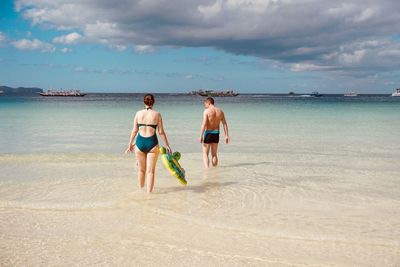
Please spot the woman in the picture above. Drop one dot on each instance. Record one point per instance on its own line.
(145, 125)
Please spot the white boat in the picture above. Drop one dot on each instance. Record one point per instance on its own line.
(351, 94)
(397, 93)
(316, 94)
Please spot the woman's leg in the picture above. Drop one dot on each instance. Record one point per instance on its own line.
(141, 165)
(152, 157)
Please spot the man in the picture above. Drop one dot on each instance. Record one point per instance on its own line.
(209, 133)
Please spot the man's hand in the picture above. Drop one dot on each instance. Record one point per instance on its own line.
(226, 139)
(201, 139)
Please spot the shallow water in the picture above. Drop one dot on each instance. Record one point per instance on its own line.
(304, 182)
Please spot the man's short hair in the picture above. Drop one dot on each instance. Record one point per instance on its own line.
(209, 100)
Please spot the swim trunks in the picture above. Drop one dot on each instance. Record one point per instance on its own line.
(211, 136)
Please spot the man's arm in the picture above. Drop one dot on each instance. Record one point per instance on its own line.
(225, 125)
(203, 126)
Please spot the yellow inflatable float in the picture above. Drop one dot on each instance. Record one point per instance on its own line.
(171, 163)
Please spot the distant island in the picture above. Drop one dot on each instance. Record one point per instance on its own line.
(214, 93)
(20, 90)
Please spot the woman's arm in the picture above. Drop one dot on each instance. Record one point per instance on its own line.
(162, 133)
(133, 135)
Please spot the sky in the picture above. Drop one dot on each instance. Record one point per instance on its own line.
(250, 46)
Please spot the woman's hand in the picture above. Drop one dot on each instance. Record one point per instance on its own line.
(130, 148)
(169, 150)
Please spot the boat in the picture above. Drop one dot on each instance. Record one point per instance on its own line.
(350, 94)
(211, 93)
(397, 93)
(315, 94)
(67, 93)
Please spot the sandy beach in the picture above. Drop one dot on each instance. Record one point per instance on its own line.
(225, 217)
(309, 175)
(304, 196)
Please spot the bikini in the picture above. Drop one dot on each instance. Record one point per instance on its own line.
(146, 144)
(211, 136)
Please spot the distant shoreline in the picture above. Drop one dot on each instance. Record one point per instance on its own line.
(20, 90)
(299, 95)
(6, 90)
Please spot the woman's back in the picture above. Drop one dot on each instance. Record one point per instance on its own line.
(147, 120)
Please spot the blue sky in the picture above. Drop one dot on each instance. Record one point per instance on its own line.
(252, 46)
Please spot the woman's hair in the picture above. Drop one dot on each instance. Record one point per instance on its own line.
(148, 100)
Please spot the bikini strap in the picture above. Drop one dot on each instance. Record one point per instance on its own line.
(150, 125)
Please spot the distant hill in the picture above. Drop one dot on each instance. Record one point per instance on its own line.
(20, 90)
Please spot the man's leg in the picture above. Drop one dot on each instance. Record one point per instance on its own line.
(206, 150)
(214, 149)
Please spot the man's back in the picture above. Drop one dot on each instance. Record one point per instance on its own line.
(209, 132)
(214, 117)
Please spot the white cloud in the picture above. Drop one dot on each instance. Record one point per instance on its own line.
(65, 50)
(80, 69)
(3, 38)
(102, 30)
(144, 49)
(35, 44)
(298, 67)
(254, 6)
(365, 15)
(71, 38)
(351, 58)
(391, 52)
(359, 58)
(304, 32)
(119, 47)
(211, 10)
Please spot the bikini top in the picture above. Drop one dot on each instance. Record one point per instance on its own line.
(151, 125)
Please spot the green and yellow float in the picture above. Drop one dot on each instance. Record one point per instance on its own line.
(171, 163)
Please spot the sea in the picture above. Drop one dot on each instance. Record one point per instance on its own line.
(304, 181)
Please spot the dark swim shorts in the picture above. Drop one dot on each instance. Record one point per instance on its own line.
(211, 136)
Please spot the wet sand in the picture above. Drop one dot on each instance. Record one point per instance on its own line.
(279, 209)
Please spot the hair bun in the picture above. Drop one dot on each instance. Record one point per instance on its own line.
(148, 100)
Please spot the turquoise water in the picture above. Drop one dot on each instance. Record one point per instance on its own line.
(304, 182)
(260, 123)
